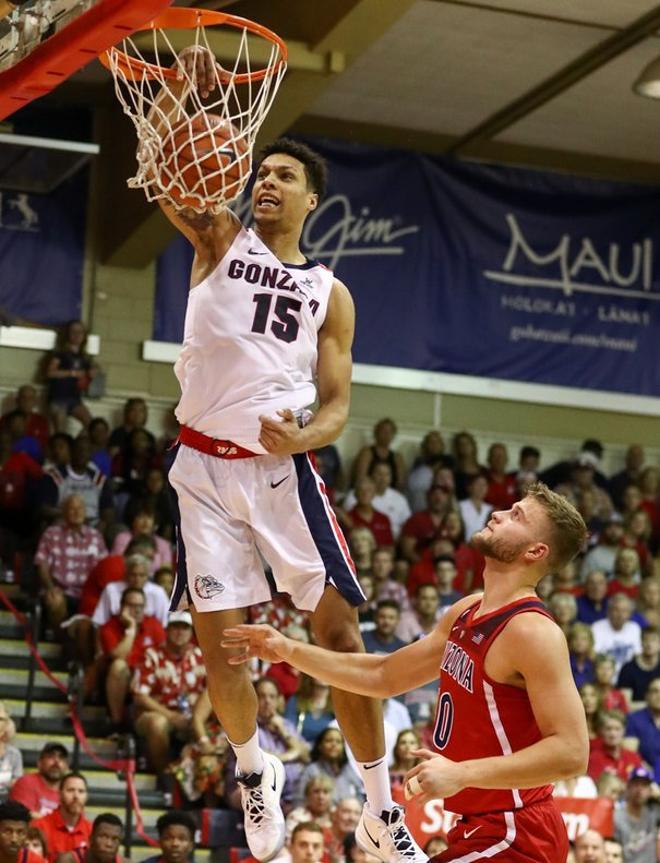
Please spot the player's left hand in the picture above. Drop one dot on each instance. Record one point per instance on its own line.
(281, 437)
(435, 777)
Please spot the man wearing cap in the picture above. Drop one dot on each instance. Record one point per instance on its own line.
(40, 791)
(637, 819)
(66, 828)
(166, 685)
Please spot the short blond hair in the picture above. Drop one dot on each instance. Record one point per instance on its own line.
(568, 532)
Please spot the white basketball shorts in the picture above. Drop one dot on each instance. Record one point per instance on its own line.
(229, 511)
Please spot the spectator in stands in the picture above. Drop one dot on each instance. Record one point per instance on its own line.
(529, 459)
(561, 471)
(164, 577)
(649, 485)
(176, 838)
(381, 450)
(345, 819)
(466, 462)
(628, 476)
(58, 452)
(474, 510)
(362, 544)
(137, 575)
(66, 828)
(583, 478)
(68, 374)
(422, 617)
(502, 491)
(14, 822)
(364, 514)
(637, 820)
(403, 759)
(165, 688)
(589, 847)
(144, 524)
(626, 573)
(644, 724)
(607, 752)
(611, 787)
(422, 527)
(18, 474)
(310, 708)
(99, 434)
(36, 841)
(104, 841)
(66, 554)
(592, 605)
(81, 477)
(383, 638)
(586, 502)
(306, 844)
(603, 555)
(155, 497)
(40, 791)
(637, 535)
(37, 424)
(112, 568)
(328, 464)
(590, 698)
(136, 415)
(386, 585)
(563, 608)
(387, 499)
(632, 500)
(644, 667)
(581, 653)
(432, 455)
(124, 640)
(132, 464)
(316, 805)
(611, 698)
(565, 580)
(329, 758)
(618, 635)
(613, 851)
(11, 759)
(648, 602)
(16, 424)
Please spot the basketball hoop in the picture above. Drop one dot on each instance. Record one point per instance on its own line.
(196, 152)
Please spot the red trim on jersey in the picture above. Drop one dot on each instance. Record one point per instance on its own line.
(338, 532)
(212, 446)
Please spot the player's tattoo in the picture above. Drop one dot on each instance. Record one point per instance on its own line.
(198, 221)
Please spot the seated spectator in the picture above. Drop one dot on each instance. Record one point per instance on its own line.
(368, 607)
(329, 758)
(647, 607)
(143, 524)
(603, 555)
(649, 485)
(11, 759)
(80, 477)
(316, 805)
(644, 724)
(592, 605)
(611, 787)
(611, 698)
(14, 823)
(68, 374)
(386, 500)
(403, 760)
(382, 639)
(617, 635)
(637, 535)
(364, 514)
(166, 443)
(58, 451)
(422, 617)
(328, 464)
(581, 653)
(99, 434)
(306, 844)
(18, 475)
(607, 752)
(36, 842)
(132, 464)
(529, 459)
(565, 580)
(362, 544)
(16, 424)
(466, 462)
(386, 585)
(136, 415)
(583, 478)
(200, 768)
(644, 667)
(450, 542)
(613, 851)
(586, 502)
(474, 510)
(105, 838)
(626, 573)
(502, 491)
(37, 424)
(345, 818)
(589, 847)
(380, 451)
(154, 497)
(66, 554)
(137, 575)
(632, 501)
(176, 838)
(431, 456)
(422, 527)
(590, 697)
(40, 791)
(636, 822)
(310, 709)
(66, 828)
(628, 476)
(561, 471)
(124, 640)
(164, 577)
(563, 608)
(166, 685)
(109, 569)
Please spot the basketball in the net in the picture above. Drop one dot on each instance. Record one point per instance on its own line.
(204, 161)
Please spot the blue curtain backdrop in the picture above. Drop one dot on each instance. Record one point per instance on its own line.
(488, 271)
(42, 246)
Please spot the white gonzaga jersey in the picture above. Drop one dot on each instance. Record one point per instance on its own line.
(250, 343)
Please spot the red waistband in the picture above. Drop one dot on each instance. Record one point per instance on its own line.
(212, 446)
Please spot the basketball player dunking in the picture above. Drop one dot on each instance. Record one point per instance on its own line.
(509, 718)
(264, 323)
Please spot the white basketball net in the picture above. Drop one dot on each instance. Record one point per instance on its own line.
(169, 166)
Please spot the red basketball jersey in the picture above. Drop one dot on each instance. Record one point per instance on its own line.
(479, 718)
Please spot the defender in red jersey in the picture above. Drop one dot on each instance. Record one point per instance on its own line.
(509, 720)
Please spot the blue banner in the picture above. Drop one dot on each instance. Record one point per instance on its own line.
(42, 247)
(487, 271)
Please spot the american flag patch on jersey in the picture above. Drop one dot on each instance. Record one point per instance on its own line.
(478, 638)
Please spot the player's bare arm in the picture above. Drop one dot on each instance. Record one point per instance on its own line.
(543, 669)
(333, 382)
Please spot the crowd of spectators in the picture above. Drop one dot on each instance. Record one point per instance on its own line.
(86, 523)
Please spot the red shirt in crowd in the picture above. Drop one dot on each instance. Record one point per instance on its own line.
(33, 791)
(166, 677)
(502, 494)
(421, 527)
(467, 561)
(60, 837)
(615, 586)
(111, 568)
(379, 525)
(150, 633)
(14, 475)
(602, 761)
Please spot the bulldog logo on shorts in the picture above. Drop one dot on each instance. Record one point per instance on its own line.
(206, 587)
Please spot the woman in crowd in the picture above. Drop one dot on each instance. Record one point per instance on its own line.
(648, 602)
(153, 496)
(637, 535)
(590, 697)
(431, 457)
(610, 697)
(310, 709)
(581, 652)
(362, 544)
(466, 462)
(563, 607)
(402, 758)
(381, 451)
(316, 805)
(69, 372)
(626, 575)
(329, 759)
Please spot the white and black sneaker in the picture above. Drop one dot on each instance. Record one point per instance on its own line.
(387, 837)
(264, 819)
